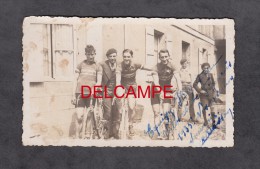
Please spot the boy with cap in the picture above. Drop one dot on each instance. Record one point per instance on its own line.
(207, 92)
(87, 73)
(111, 105)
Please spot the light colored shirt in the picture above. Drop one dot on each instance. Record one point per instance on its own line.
(185, 75)
(87, 75)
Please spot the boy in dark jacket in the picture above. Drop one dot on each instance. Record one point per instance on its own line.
(207, 92)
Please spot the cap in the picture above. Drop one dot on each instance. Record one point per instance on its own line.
(110, 51)
(205, 64)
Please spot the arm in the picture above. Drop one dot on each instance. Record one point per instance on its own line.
(155, 78)
(99, 75)
(213, 81)
(191, 79)
(118, 75)
(216, 94)
(99, 79)
(195, 84)
(176, 76)
(75, 79)
(120, 91)
(156, 83)
(118, 78)
(178, 81)
(146, 67)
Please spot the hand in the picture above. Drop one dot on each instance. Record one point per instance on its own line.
(74, 100)
(100, 100)
(203, 92)
(91, 108)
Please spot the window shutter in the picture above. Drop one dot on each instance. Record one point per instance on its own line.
(169, 45)
(151, 59)
(63, 51)
(38, 52)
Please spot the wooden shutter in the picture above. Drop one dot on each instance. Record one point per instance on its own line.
(169, 45)
(63, 51)
(151, 59)
(38, 52)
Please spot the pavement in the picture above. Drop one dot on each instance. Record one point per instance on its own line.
(184, 130)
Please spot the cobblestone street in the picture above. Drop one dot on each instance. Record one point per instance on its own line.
(183, 129)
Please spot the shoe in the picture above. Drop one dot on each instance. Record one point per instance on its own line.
(194, 120)
(131, 130)
(87, 136)
(95, 135)
(116, 136)
(105, 133)
(163, 137)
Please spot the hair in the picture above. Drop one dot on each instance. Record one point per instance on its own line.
(183, 61)
(110, 51)
(90, 49)
(205, 64)
(164, 51)
(128, 51)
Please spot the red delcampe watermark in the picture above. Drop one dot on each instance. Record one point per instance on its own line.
(149, 92)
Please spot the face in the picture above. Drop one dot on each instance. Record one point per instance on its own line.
(127, 58)
(90, 56)
(205, 69)
(184, 65)
(112, 58)
(164, 57)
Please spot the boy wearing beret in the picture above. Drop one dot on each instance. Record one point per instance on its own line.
(111, 107)
(207, 92)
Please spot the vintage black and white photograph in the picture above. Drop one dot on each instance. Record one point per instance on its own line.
(122, 82)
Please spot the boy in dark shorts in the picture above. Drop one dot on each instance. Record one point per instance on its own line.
(126, 75)
(207, 92)
(163, 73)
(87, 73)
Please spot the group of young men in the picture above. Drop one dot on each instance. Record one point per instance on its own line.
(110, 73)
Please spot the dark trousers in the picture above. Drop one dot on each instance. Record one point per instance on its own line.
(188, 89)
(111, 116)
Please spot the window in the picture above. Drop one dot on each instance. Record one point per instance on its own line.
(204, 55)
(157, 39)
(185, 50)
(52, 52)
